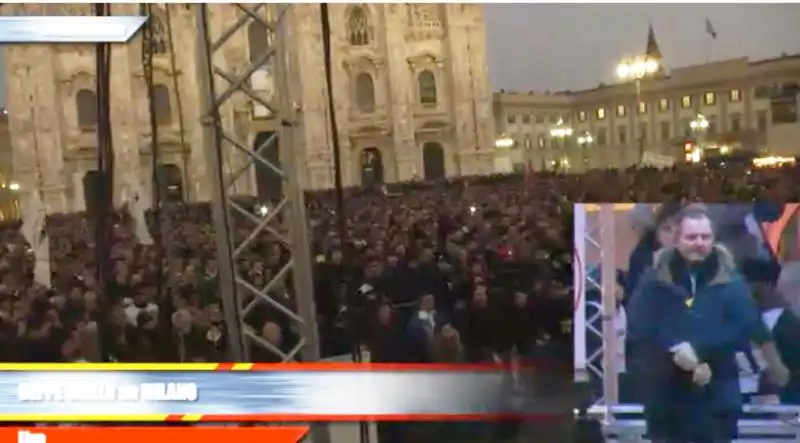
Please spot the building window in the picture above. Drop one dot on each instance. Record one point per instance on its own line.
(663, 105)
(666, 130)
(163, 107)
(602, 137)
(712, 125)
(581, 116)
(642, 108)
(621, 111)
(526, 118)
(359, 29)
(622, 134)
(365, 93)
(686, 101)
(159, 39)
(539, 119)
(86, 104)
(601, 113)
(257, 39)
(511, 119)
(426, 82)
(554, 118)
(763, 92)
(735, 95)
(736, 123)
(528, 142)
(642, 135)
(709, 99)
(687, 128)
(761, 121)
(540, 140)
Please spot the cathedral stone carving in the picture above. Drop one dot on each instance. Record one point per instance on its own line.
(360, 31)
(424, 22)
(57, 9)
(424, 15)
(393, 86)
(159, 34)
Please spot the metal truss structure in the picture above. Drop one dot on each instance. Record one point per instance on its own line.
(219, 86)
(596, 235)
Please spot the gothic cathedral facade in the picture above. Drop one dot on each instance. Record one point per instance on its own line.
(410, 83)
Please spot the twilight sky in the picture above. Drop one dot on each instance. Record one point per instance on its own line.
(574, 46)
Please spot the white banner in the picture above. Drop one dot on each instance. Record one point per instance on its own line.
(660, 161)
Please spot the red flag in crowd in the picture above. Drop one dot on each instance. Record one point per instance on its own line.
(529, 176)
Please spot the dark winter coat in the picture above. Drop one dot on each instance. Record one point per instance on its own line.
(717, 318)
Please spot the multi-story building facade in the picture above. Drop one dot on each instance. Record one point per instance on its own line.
(749, 105)
(410, 86)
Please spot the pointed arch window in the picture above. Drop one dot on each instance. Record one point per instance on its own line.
(162, 105)
(257, 39)
(86, 105)
(426, 81)
(159, 40)
(365, 92)
(359, 29)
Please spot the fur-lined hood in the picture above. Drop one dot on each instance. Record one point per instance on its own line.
(726, 267)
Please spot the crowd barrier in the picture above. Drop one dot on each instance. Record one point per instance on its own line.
(760, 423)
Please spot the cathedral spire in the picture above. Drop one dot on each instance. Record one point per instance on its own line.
(653, 52)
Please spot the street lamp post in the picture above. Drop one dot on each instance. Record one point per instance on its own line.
(504, 142)
(584, 141)
(637, 69)
(562, 133)
(699, 127)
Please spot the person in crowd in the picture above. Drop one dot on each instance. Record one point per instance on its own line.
(657, 231)
(691, 314)
(422, 327)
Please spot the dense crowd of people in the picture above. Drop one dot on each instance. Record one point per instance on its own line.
(474, 269)
(458, 248)
(483, 264)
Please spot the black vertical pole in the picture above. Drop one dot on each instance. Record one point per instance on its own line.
(105, 193)
(341, 217)
(148, 42)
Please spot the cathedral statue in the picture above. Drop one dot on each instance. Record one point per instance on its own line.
(404, 77)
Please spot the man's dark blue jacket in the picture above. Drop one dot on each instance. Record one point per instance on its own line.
(717, 318)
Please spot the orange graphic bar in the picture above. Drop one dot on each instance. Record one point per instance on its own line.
(151, 435)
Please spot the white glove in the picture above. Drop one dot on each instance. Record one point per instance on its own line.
(701, 375)
(684, 356)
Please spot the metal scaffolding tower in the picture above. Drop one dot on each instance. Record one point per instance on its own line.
(597, 235)
(218, 140)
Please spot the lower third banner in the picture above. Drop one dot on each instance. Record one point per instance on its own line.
(274, 393)
(152, 434)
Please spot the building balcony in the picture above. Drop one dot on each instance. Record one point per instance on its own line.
(377, 117)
